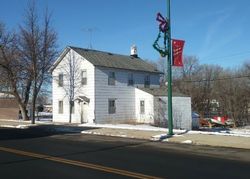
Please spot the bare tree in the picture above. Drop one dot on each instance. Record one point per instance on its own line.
(12, 71)
(196, 81)
(38, 48)
(247, 68)
(187, 73)
(73, 79)
(233, 94)
(26, 58)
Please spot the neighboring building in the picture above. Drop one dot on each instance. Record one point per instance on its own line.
(157, 102)
(8, 107)
(114, 89)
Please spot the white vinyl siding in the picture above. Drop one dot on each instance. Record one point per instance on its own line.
(59, 93)
(148, 115)
(182, 117)
(124, 95)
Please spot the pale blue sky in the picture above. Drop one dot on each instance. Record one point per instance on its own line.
(216, 31)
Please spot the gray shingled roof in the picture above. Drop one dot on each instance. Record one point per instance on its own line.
(162, 91)
(110, 60)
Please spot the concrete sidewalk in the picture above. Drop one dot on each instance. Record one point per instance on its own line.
(197, 139)
(179, 137)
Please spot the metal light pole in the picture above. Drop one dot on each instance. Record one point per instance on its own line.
(169, 62)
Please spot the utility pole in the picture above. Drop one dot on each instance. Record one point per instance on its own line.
(169, 62)
(166, 51)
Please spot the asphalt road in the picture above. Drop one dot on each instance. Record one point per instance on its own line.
(41, 152)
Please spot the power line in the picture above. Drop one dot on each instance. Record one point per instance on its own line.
(211, 58)
(218, 79)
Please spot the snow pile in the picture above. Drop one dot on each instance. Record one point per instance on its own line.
(187, 142)
(159, 137)
(239, 132)
(99, 133)
(24, 126)
(142, 127)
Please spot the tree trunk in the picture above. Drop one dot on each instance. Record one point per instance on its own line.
(21, 105)
(23, 112)
(34, 105)
(70, 112)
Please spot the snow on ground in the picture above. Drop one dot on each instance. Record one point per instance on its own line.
(44, 119)
(24, 126)
(143, 127)
(240, 132)
(187, 142)
(98, 133)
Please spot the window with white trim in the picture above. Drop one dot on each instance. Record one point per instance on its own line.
(142, 107)
(111, 80)
(147, 81)
(60, 107)
(112, 108)
(84, 77)
(60, 80)
(130, 79)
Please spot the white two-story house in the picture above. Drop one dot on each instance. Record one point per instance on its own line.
(107, 88)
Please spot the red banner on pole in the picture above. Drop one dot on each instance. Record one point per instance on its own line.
(177, 50)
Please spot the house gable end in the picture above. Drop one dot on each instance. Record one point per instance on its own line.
(61, 57)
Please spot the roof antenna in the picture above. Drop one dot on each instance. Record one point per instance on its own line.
(89, 31)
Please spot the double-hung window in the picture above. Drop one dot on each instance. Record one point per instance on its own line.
(112, 108)
(130, 79)
(111, 80)
(60, 107)
(147, 81)
(142, 107)
(84, 77)
(60, 80)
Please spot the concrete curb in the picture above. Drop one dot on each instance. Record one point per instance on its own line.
(17, 126)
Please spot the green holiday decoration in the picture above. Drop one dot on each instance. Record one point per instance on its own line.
(163, 28)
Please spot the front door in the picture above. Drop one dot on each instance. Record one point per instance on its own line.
(84, 112)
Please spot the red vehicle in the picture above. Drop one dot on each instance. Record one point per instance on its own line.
(220, 120)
